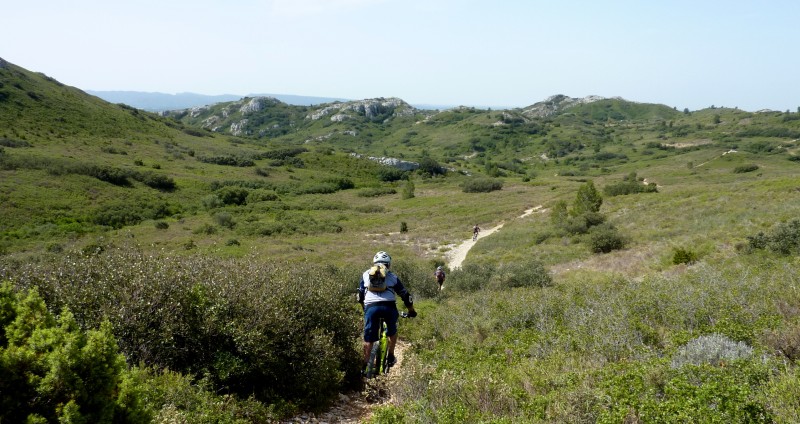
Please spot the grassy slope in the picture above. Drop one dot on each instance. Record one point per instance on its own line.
(701, 205)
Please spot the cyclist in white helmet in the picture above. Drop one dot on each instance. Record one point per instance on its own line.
(377, 293)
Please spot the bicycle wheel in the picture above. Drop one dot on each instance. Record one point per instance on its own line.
(375, 360)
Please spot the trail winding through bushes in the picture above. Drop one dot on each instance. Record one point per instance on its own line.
(457, 256)
(357, 407)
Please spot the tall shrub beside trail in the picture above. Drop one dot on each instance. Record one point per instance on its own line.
(277, 331)
(50, 370)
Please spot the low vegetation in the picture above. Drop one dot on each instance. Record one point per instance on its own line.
(201, 274)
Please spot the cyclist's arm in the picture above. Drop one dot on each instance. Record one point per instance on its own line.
(362, 291)
(401, 291)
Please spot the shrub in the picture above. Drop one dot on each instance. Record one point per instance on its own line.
(370, 209)
(430, 167)
(240, 323)
(376, 191)
(224, 219)
(470, 277)
(714, 349)
(156, 181)
(52, 370)
(206, 229)
(260, 195)
(745, 168)
(586, 200)
(131, 212)
(212, 201)
(161, 225)
(390, 174)
(341, 183)
(408, 190)
(108, 174)
(784, 238)
(683, 256)
(530, 273)
(403, 227)
(605, 238)
(233, 195)
(629, 187)
(482, 185)
(228, 161)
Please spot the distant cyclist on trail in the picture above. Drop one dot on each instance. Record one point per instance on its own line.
(377, 293)
(439, 275)
(475, 230)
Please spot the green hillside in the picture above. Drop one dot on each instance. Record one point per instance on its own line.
(641, 270)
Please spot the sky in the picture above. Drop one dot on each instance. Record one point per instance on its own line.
(502, 53)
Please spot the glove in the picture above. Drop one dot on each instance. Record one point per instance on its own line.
(412, 313)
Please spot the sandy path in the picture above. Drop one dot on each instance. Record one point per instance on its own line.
(456, 256)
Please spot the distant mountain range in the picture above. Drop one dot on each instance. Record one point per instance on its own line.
(158, 102)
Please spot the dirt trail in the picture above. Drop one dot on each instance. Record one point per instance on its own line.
(457, 256)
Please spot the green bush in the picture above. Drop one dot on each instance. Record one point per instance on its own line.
(629, 187)
(482, 185)
(408, 190)
(741, 169)
(389, 174)
(131, 212)
(228, 160)
(212, 201)
(51, 370)
(586, 200)
(636, 393)
(605, 238)
(240, 323)
(224, 219)
(376, 191)
(341, 183)
(784, 238)
(260, 195)
(470, 277)
(683, 256)
(530, 273)
(156, 181)
(370, 209)
(233, 195)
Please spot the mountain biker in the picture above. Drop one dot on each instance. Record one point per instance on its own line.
(475, 230)
(440, 276)
(381, 303)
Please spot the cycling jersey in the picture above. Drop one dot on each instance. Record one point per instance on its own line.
(394, 288)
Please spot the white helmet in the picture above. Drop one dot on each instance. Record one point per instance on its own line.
(382, 257)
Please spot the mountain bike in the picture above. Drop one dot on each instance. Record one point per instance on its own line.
(379, 355)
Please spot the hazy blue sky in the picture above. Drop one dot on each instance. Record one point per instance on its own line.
(501, 53)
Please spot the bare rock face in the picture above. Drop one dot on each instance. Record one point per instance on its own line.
(393, 162)
(238, 128)
(555, 104)
(370, 108)
(255, 104)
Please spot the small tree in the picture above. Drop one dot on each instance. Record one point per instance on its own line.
(587, 200)
(559, 214)
(408, 190)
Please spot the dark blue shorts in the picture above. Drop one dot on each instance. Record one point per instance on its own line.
(372, 317)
